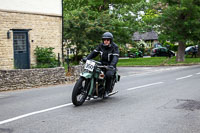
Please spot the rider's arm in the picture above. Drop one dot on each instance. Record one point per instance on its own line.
(94, 53)
(115, 56)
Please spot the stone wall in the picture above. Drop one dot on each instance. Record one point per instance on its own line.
(76, 70)
(30, 78)
(46, 31)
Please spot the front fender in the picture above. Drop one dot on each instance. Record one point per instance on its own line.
(86, 75)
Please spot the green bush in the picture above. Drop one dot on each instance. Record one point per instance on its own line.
(133, 50)
(45, 57)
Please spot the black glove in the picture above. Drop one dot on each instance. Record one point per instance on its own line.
(84, 59)
(111, 67)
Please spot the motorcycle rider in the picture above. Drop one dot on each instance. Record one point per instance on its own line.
(109, 53)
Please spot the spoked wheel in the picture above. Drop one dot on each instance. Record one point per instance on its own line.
(80, 91)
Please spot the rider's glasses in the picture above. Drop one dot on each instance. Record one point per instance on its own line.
(106, 39)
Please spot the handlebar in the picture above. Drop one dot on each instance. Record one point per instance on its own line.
(97, 62)
(106, 67)
(99, 65)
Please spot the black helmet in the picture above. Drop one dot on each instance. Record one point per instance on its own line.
(107, 35)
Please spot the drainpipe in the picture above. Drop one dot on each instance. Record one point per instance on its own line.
(62, 35)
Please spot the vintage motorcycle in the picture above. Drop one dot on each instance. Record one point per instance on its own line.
(91, 83)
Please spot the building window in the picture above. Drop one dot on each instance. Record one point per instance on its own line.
(20, 43)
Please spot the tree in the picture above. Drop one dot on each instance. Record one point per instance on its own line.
(84, 28)
(179, 21)
(86, 20)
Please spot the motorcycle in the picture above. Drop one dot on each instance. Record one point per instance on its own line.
(91, 83)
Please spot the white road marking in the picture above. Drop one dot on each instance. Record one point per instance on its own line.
(33, 113)
(144, 86)
(184, 77)
(198, 73)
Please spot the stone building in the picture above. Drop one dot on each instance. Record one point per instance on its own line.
(26, 24)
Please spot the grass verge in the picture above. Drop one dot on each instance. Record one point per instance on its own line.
(156, 61)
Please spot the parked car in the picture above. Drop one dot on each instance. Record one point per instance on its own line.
(191, 49)
(161, 51)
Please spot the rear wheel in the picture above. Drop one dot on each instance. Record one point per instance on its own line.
(80, 91)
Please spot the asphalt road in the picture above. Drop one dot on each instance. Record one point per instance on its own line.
(150, 100)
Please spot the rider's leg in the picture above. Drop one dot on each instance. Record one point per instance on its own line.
(109, 78)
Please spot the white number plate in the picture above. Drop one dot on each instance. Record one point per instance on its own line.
(89, 65)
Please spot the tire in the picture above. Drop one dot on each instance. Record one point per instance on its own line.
(80, 91)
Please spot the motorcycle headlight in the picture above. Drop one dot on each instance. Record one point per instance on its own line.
(101, 75)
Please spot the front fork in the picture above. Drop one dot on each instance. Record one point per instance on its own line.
(91, 87)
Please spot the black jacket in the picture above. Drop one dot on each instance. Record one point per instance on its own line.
(109, 54)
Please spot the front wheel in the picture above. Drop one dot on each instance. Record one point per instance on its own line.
(80, 91)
